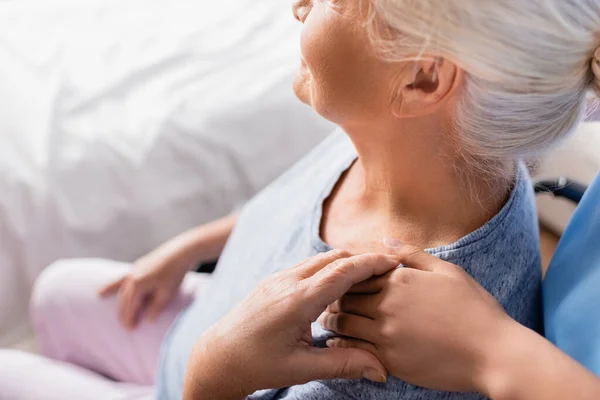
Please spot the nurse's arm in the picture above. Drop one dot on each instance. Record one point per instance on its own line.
(459, 339)
(525, 366)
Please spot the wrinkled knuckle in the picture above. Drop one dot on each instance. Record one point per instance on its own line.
(295, 292)
(340, 265)
(401, 277)
(387, 334)
(336, 270)
(366, 259)
(340, 253)
(385, 309)
(376, 257)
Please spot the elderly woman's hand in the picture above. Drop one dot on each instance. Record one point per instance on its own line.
(431, 324)
(266, 341)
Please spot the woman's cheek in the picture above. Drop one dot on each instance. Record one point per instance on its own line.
(334, 76)
(309, 64)
(309, 41)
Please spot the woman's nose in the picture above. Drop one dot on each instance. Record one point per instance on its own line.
(301, 8)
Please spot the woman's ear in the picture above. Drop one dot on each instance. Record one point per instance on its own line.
(425, 86)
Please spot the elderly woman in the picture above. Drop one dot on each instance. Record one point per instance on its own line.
(438, 103)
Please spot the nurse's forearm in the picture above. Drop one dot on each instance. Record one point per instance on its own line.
(525, 366)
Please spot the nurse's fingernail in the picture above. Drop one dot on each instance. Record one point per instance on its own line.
(374, 375)
(392, 243)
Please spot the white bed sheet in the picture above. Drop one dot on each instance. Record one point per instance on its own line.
(125, 122)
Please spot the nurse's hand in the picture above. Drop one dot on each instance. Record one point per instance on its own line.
(266, 341)
(433, 325)
(430, 324)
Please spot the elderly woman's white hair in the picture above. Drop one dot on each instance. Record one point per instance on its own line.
(527, 65)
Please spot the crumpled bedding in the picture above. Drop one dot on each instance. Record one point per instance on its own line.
(123, 123)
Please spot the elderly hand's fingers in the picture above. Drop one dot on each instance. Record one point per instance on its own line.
(331, 282)
(131, 305)
(350, 325)
(346, 363)
(112, 288)
(357, 304)
(312, 265)
(160, 300)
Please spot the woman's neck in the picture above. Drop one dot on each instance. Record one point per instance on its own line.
(418, 183)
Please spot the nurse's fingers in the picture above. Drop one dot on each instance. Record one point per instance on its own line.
(346, 363)
(370, 286)
(415, 258)
(365, 305)
(349, 343)
(350, 325)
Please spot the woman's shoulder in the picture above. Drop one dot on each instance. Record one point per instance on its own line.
(504, 254)
(515, 226)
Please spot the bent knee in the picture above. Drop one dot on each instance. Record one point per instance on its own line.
(65, 284)
(52, 286)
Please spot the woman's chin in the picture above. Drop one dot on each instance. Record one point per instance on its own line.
(302, 88)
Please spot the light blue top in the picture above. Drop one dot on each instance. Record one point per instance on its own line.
(280, 227)
(572, 286)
